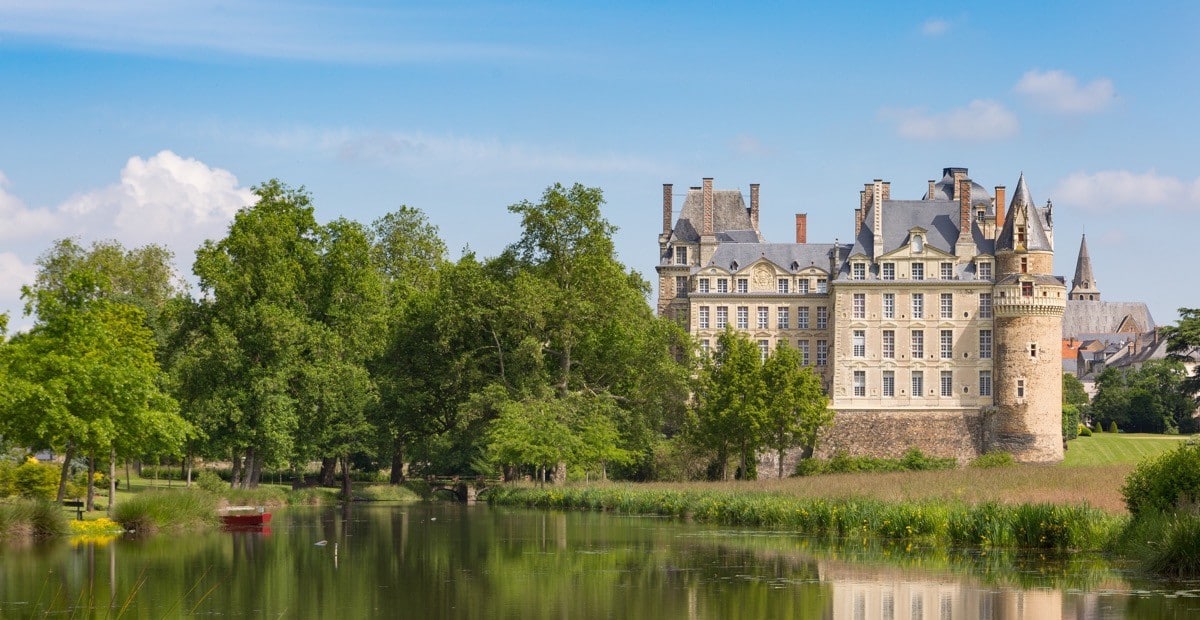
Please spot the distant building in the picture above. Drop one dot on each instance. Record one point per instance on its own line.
(936, 328)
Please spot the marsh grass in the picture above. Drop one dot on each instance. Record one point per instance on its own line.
(27, 519)
(383, 493)
(156, 510)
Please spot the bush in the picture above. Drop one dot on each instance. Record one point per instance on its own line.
(994, 459)
(843, 463)
(1084, 431)
(36, 480)
(1166, 483)
(210, 481)
(1112, 427)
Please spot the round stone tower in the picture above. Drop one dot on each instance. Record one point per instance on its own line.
(1028, 303)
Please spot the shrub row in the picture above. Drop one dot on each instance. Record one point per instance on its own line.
(1030, 526)
(842, 463)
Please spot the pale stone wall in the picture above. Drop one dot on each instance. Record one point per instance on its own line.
(1028, 426)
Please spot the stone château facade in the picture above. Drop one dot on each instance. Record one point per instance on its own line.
(938, 327)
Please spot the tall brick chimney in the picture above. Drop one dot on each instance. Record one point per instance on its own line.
(1000, 206)
(707, 224)
(887, 190)
(959, 175)
(801, 228)
(667, 203)
(929, 193)
(858, 221)
(965, 246)
(754, 205)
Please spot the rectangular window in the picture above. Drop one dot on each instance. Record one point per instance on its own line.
(985, 344)
(918, 383)
(822, 318)
(1033, 349)
(764, 317)
(681, 256)
(918, 271)
(743, 317)
(743, 285)
(783, 317)
(946, 342)
(722, 317)
(985, 383)
(1020, 388)
(918, 305)
(802, 317)
(802, 286)
(822, 352)
(889, 383)
(782, 286)
(947, 305)
(764, 348)
(704, 345)
(860, 305)
(947, 383)
(803, 351)
(722, 285)
(860, 383)
(703, 285)
(822, 285)
(889, 305)
(985, 271)
(918, 344)
(1027, 289)
(985, 305)
(859, 271)
(888, 271)
(860, 343)
(1024, 265)
(889, 344)
(681, 285)
(703, 317)
(947, 271)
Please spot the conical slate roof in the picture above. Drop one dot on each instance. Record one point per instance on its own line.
(1022, 212)
(1084, 282)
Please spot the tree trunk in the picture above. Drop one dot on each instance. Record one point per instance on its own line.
(560, 473)
(256, 472)
(328, 471)
(397, 475)
(112, 480)
(128, 478)
(235, 474)
(91, 483)
(190, 463)
(346, 478)
(65, 474)
(781, 463)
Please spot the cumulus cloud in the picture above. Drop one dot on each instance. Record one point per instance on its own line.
(1060, 92)
(1111, 189)
(166, 199)
(980, 120)
(934, 27)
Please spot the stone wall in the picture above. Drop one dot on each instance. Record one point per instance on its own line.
(953, 433)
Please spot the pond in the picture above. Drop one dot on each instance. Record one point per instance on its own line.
(445, 560)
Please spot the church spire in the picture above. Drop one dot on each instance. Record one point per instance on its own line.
(1083, 287)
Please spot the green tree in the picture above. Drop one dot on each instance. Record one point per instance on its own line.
(1183, 343)
(1149, 399)
(730, 415)
(796, 407)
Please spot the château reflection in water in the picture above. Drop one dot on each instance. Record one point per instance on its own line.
(455, 561)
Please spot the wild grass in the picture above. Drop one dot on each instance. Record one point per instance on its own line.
(177, 510)
(29, 519)
(384, 493)
(949, 522)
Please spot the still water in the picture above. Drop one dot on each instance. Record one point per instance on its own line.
(455, 561)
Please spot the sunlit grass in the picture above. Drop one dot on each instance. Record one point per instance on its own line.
(1117, 448)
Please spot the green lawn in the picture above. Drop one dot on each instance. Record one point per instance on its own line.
(1117, 449)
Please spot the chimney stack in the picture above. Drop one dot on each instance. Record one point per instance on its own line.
(999, 209)
(959, 175)
(707, 224)
(754, 206)
(929, 193)
(887, 190)
(858, 221)
(964, 207)
(667, 203)
(880, 191)
(801, 228)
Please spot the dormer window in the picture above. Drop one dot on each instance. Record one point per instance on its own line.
(703, 285)
(1020, 235)
(985, 271)
(722, 285)
(918, 271)
(918, 244)
(743, 285)
(859, 271)
(681, 256)
(888, 271)
(1027, 289)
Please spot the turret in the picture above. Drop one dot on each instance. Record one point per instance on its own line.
(1083, 287)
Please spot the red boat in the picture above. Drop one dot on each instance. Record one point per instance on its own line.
(241, 517)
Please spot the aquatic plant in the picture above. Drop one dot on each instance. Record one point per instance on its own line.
(154, 510)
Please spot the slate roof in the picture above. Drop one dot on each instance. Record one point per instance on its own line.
(1036, 238)
(792, 257)
(1084, 281)
(938, 217)
(1103, 317)
(944, 190)
(730, 217)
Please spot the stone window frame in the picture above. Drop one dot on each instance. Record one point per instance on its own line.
(917, 383)
(722, 286)
(947, 383)
(702, 285)
(743, 285)
(703, 317)
(888, 382)
(889, 305)
(722, 320)
(742, 317)
(887, 344)
(916, 272)
(783, 316)
(986, 344)
(764, 317)
(859, 343)
(860, 383)
(946, 270)
(859, 306)
(946, 305)
(781, 286)
(858, 270)
(946, 349)
(681, 255)
(887, 271)
(802, 315)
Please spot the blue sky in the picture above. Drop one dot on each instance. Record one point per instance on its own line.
(147, 121)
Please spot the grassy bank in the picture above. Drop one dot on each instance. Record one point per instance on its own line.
(939, 522)
(1102, 449)
(23, 520)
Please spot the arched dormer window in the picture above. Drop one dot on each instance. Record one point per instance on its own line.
(918, 244)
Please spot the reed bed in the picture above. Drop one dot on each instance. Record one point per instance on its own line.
(151, 511)
(932, 521)
(29, 519)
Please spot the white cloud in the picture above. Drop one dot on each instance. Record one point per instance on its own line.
(980, 120)
(1112, 189)
(745, 144)
(934, 27)
(1058, 91)
(166, 199)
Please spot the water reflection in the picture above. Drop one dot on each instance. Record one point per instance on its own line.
(453, 561)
